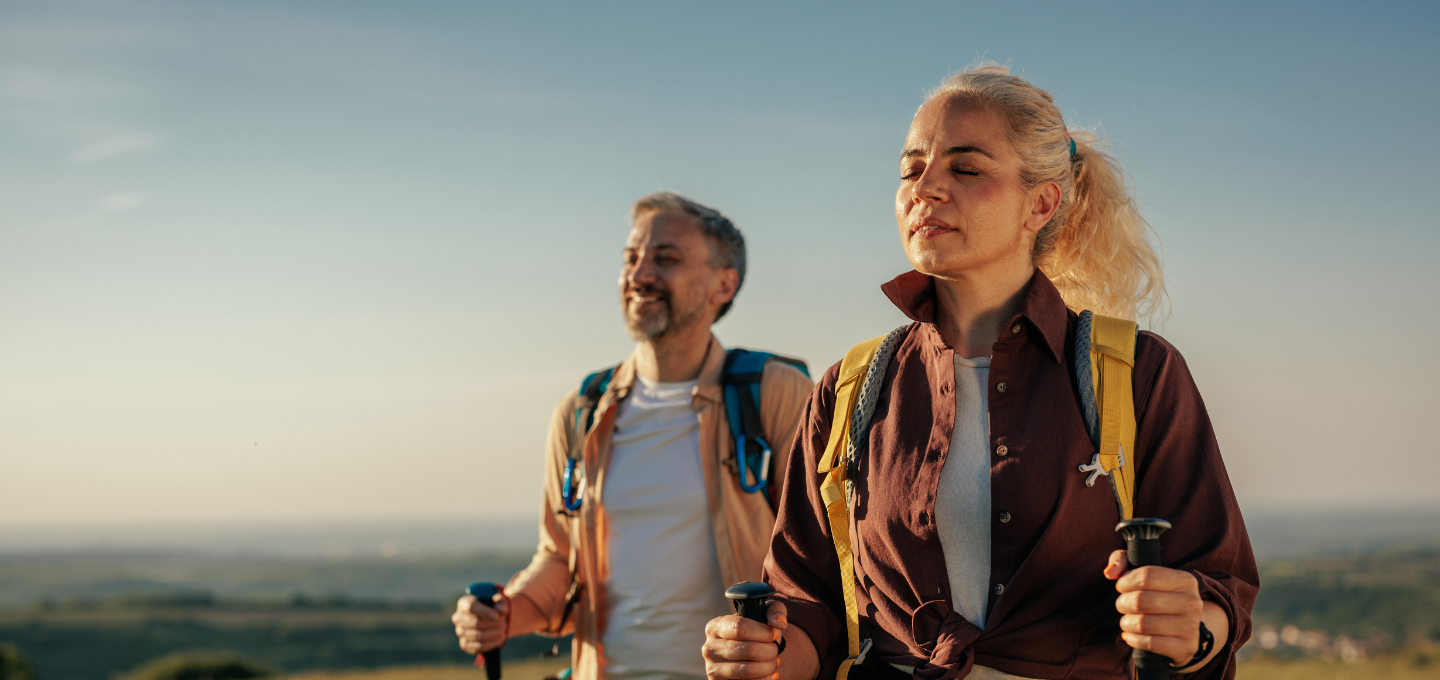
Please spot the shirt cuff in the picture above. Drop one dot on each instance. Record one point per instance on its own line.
(826, 632)
(1212, 591)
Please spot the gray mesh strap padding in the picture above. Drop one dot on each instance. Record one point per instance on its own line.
(865, 407)
(1085, 379)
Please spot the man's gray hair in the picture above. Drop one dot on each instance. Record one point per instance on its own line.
(727, 249)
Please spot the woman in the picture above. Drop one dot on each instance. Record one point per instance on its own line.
(979, 550)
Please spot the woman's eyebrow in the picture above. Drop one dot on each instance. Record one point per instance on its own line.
(956, 150)
(952, 151)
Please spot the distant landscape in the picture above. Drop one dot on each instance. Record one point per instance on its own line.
(130, 608)
(1348, 592)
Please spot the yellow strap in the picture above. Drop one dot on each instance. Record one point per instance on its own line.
(832, 491)
(1112, 360)
(847, 389)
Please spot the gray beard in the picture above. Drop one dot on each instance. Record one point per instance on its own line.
(657, 326)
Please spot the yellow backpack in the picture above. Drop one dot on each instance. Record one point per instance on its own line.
(1105, 358)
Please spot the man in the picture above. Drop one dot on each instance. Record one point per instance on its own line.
(646, 518)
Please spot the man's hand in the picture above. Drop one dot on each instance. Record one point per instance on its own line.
(737, 648)
(1161, 608)
(480, 627)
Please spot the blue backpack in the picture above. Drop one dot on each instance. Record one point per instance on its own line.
(741, 380)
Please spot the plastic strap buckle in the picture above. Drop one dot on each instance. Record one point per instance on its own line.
(864, 649)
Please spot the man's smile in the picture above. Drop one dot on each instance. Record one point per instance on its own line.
(643, 299)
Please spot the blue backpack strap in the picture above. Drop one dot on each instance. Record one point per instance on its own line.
(572, 486)
(741, 379)
(591, 389)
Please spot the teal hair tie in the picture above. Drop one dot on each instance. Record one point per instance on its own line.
(1072, 145)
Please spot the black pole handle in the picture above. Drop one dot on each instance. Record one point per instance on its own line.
(750, 599)
(1142, 548)
(488, 593)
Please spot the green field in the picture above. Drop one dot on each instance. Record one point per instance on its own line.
(84, 641)
(1402, 666)
(335, 618)
(121, 610)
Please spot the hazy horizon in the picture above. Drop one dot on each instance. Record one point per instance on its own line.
(1276, 531)
(293, 262)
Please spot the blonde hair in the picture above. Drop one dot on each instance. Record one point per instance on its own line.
(1096, 248)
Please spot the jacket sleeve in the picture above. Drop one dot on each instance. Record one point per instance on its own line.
(547, 580)
(802, 566)
(1182, 478)
(784, 392)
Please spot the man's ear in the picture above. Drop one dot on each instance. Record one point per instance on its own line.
(727, 284)
(1044, 201)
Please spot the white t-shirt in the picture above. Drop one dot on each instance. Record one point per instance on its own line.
(665, 582)
(962, 501)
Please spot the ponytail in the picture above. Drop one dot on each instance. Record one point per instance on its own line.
(1096, 249)
(1100, 256)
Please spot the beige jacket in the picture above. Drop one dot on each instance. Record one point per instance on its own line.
(742, 522)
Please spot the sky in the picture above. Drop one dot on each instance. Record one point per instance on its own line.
(313, 261)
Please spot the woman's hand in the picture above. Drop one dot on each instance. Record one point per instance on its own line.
(737, 648)
(1161, 608)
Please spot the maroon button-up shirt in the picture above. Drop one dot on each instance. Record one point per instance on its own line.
(1051, 612)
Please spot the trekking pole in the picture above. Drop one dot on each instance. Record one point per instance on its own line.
(487, 593)
(1142, 549)
(752, 601)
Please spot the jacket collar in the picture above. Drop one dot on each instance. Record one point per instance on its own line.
(707, 387)
(914, 294)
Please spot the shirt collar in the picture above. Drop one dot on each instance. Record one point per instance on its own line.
(706, 387)
(914, 294)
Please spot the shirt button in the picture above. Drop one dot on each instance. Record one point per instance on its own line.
(1015, 328)
(1004, 517)
(1002, 387)
(1001, 450)
(999, 588)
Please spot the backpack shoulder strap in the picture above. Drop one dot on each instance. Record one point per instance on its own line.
(591, 389)
(853, 369)
(856, 390)
(572, 481)
(740, 379)
(1104, 365)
